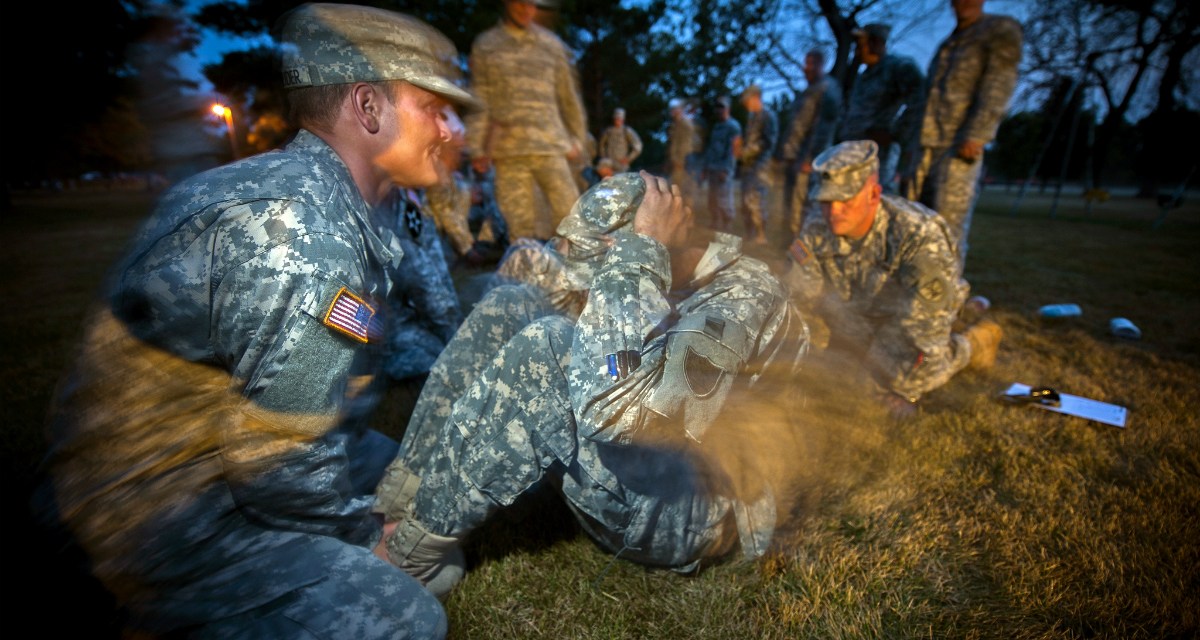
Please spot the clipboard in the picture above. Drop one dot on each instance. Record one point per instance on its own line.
(1078, 406)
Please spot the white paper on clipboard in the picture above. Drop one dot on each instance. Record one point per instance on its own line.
(1110, 414)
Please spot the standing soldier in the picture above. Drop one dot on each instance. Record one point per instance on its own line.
(724, 146)
(681, 147)
(620, 143)
(809, 132)
(971, 80)
(532, 121)
(884, 100)
(761, 132)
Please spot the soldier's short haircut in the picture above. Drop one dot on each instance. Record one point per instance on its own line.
(818, 54)
(316, 108)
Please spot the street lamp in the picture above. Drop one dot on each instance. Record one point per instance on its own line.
(227, 113)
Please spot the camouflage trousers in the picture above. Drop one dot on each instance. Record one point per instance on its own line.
(361, 597)
(720, 200)
(756, 187)
(518, 181)
(511, 428)
(948, 184)
(887, 348)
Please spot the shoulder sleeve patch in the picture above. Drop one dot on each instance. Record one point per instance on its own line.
(799, 253)
(350, 315)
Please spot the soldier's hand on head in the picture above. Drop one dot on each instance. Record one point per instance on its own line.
(663, 215)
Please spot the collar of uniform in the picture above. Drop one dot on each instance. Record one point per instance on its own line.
(516, 33)
(308, 142)
(722, 250)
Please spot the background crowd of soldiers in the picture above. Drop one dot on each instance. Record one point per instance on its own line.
(531, 137)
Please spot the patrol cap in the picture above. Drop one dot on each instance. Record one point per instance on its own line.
(326, 44)
(618, 112)
(843, 169)
(722, 102)
(675, 103)
(607, 207)
(873, 30)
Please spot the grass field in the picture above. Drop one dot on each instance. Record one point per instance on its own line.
(976, 519)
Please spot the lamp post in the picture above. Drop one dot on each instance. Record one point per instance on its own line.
(227, 113)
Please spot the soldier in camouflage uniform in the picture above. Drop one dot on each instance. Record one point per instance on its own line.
(449, 201)
(758, 147)
(621, 407)
(532, 122)
(720, 160)
(423, 306)
(464, 207)
(884, 100)
(620, 143)
(682, 146)
(971, 79)
(882, 273)
(208, 450)
(809, 132)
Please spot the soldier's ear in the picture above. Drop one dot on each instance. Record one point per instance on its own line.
(366, 101)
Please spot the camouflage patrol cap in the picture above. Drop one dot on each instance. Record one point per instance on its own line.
(606, 209)
(325, 44)
(873, 30)
(842, 170)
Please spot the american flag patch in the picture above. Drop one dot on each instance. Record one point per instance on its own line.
(350, 315)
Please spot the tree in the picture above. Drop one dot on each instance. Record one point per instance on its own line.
(45, 140)
(1130, 53)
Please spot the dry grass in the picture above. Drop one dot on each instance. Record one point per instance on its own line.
(975, 520)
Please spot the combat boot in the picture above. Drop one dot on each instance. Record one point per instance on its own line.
(984, 337)
(435, 561)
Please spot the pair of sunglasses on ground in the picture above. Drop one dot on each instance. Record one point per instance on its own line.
(1037, 395)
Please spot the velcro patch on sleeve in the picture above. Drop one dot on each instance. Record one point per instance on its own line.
(351, 316)
(799, 253)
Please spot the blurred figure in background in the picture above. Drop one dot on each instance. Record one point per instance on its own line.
(720, 160)
(809, 131)
(683, 144)
(619, 143)
(755, 160)
(971, 80)
(532, 123)
(884, 100)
